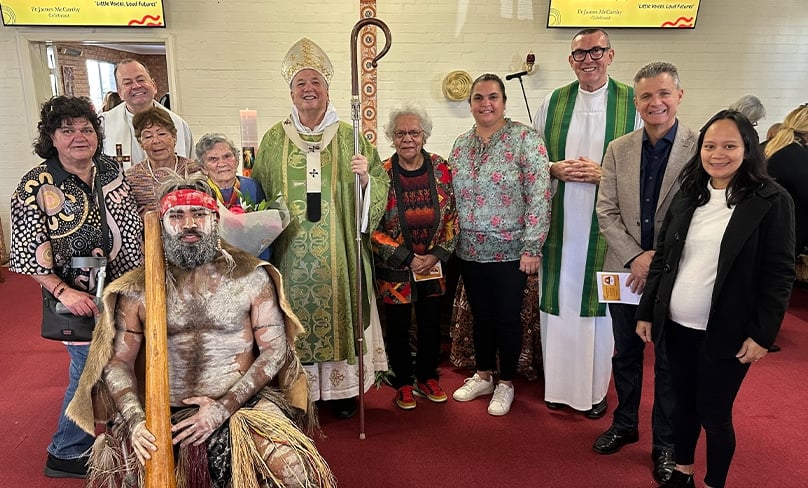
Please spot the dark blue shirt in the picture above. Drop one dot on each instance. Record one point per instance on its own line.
(652, 170)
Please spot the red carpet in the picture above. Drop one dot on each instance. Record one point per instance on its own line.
(448, 445)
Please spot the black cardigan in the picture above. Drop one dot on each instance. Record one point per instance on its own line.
(754, 276)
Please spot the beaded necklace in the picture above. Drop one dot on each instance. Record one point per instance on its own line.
(151, 171)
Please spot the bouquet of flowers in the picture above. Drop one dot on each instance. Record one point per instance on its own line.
(254, 230)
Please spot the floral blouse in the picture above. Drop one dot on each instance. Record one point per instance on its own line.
(502, 193)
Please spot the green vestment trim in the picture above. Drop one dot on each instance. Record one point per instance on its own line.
(620, 116)
(318, 259)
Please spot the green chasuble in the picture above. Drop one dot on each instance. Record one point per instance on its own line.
(318, 259)
(620, 117)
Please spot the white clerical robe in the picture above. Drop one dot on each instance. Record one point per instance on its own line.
(577, 351)
(117, 124)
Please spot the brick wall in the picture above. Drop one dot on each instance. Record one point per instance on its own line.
(76, 55)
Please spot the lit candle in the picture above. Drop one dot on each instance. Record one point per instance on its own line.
(249, 139)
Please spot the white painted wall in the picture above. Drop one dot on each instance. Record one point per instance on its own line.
(226, 56)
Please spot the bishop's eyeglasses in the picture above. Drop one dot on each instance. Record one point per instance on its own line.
(595, 53)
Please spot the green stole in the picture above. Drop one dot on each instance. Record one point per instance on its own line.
(620, 116)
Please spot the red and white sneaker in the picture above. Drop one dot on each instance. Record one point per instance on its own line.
(431, 389)
(404, 398)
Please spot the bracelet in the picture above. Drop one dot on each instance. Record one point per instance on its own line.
(53, 292)
(61, 290)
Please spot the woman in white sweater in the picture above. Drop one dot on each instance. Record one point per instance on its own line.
(718, 286)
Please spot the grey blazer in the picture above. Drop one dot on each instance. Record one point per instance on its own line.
(618, 205)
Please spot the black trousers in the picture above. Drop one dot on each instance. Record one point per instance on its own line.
(398, 320)
(494, 291)
(627, 369)
(705, 390)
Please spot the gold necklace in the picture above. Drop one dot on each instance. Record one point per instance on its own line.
(151, 171)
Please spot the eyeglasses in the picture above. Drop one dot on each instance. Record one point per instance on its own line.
(399, 134)
(595, 53)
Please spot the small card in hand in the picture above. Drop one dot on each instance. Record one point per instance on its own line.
(434, 273)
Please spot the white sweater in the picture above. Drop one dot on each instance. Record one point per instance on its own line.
(693, 289)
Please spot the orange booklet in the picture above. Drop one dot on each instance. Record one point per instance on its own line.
(434, 273)
(612, 288)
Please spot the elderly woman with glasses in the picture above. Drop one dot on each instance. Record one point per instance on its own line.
(413, 241)
(157, 135)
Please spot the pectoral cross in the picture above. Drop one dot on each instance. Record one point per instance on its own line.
(313, 183)
(119, 157)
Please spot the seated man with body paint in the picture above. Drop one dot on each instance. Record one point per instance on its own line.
(237, 390)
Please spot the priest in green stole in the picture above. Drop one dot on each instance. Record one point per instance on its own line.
(578, 121)
(309, 159)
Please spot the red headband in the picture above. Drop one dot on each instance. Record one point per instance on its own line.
(187, 196)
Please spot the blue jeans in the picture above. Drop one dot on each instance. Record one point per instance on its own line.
(69, 441)
(627, 366)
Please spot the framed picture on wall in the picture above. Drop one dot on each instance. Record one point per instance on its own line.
(67, 80)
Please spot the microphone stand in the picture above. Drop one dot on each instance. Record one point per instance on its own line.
(525, 96)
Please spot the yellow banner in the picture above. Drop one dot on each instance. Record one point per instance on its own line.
(84, 13)
(623, 13)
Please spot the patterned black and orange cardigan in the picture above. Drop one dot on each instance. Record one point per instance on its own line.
(394, 279)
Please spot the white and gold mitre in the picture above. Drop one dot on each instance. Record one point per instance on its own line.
(305, 54)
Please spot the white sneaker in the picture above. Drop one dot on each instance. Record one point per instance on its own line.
(472, 388)
(501, 401)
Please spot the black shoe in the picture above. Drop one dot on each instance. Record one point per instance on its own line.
(598, 410)
(344, 408)
(680, 480)
(663, 465)
(613, 440)
(775, 348)
(554, 405)
(66, 468)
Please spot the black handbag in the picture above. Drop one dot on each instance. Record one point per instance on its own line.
(64, 326)
(59, 324)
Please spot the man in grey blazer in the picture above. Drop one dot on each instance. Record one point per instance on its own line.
(640, 171)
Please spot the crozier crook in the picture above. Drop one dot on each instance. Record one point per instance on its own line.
(359, 329)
